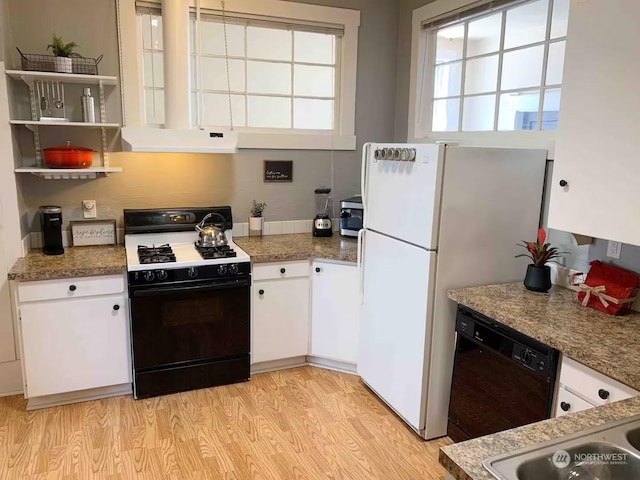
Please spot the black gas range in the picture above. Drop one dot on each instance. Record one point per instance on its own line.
(190, 306)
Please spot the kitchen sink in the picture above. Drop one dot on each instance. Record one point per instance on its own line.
(607, 452)
(633, 437)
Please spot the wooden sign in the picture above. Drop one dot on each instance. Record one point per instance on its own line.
(93, 232)
(278, 170)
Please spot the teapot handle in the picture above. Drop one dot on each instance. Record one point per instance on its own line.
(201, 225)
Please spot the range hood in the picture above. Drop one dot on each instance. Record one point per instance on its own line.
(177, 136)
(178, 140)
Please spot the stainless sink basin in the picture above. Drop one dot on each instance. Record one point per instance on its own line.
(633, 437)
(608, 452)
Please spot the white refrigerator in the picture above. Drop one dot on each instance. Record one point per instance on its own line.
(436, 217)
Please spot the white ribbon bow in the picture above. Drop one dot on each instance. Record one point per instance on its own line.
(596, 291)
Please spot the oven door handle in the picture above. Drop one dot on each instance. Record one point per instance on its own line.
(147, 292)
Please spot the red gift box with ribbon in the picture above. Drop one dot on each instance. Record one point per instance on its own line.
(608, 288)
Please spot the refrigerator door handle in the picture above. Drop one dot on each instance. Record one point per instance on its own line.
(361, 265)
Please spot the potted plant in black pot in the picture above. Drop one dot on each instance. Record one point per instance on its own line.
(63, 52)
(538, 277)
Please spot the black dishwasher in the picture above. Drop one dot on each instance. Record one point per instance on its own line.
(502, 379)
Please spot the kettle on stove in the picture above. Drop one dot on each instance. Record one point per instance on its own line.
(212, 235)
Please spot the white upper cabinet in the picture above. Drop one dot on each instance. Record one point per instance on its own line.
(596, 169)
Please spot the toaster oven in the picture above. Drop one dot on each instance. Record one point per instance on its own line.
(351, 214)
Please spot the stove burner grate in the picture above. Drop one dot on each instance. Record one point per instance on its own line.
(212, 253)
(156, 254)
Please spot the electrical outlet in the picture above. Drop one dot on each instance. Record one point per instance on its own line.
(89, 209)
(613, 249)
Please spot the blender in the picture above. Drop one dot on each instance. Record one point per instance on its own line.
(322, 221)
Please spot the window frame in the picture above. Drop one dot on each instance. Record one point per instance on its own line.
(421, 89)
(341, 138)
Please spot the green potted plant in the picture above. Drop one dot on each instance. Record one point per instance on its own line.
(538, 277)
(256, 220)
(63, 51)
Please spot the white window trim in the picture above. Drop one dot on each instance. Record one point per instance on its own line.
(342, 139)
(544, 139)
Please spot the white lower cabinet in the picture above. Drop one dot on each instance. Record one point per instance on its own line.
(582, 388)
(335, 311)
(280, 303)
(75, 344)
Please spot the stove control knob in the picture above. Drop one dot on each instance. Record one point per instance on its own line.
(162, 275)
(222, 269)
(233, 269)
(526, 357)
(192, 273)
(149, 275)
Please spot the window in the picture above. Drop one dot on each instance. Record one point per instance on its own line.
(292, 73)
(494, 70)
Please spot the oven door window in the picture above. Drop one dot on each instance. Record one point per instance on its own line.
(171, 327)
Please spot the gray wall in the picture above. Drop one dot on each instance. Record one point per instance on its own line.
(183, 180)
(404, 66)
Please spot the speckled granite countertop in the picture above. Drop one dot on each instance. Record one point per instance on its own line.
(605, 343)
(464, 460)
(76, 262)
(587, 335)
(300, 246)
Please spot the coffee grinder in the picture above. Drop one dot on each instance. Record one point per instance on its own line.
(324, 208)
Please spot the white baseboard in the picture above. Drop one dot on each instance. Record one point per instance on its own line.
(295, 362)
(329, 364)
(11, 378)
(47, 401)
(274, 365)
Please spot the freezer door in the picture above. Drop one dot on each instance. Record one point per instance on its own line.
(402, 198)
(395, 325)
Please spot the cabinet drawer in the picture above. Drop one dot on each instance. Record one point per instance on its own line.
(272, 271)
(70, 288)
(572, 403)
(592, 385)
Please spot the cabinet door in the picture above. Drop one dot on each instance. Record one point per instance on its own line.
(335, 311)
(280, 319)
(72, 345)
(567, 402)
(597, 140)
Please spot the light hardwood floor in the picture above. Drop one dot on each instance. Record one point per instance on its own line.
(304, 423)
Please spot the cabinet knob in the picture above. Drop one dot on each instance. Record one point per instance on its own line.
(260, 292)
(317, 269)
(283, 270)
(72, 288)
(563, 183)
(603, 394)
(565, 406)
(116, 307)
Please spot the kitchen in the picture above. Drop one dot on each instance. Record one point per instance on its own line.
(383, 86)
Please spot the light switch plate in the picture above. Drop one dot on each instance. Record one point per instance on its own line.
(89, 209)
(613, 249)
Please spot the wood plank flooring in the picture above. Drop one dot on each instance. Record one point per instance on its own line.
(303, 423)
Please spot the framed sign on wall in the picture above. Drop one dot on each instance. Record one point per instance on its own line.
(93, 232)
(278, 170)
